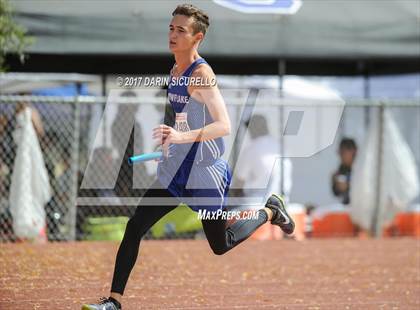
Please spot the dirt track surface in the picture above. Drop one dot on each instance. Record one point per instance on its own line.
(314, 274)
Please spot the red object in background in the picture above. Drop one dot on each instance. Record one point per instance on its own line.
(273, 232)
(333, 225)
(340, 225)
(264, 232)
(405, 224)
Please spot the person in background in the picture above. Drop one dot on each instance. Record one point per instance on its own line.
(4, 151)
(6, 229)
(256, 162)
(259, 163)
(122, 125)
(161, 109)
(341, 177)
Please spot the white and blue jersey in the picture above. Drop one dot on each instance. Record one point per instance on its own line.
(194, 172)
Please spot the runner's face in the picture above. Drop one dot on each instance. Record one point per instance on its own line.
(181, 37)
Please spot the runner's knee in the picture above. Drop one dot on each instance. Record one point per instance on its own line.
(134, 229)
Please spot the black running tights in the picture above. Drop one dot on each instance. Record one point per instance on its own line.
(220, 237)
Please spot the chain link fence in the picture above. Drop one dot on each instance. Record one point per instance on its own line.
(56, 126)
(74, 130)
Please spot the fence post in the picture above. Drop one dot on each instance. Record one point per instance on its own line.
(376, 219)
(75, 170)
(281, 73)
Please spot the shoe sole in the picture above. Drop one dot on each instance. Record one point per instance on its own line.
(87, 307)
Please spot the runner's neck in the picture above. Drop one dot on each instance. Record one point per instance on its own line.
(183, 62)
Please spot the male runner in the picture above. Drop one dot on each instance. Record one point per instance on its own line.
(192, 170)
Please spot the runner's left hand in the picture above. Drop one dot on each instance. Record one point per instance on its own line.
(167, 135)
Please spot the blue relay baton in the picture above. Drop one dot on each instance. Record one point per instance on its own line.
(144, 157)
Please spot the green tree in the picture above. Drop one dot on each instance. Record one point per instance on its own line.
(13, 38)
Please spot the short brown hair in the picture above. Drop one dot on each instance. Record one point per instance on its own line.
(201, 19)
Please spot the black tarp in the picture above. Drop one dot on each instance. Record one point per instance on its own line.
(323, 36)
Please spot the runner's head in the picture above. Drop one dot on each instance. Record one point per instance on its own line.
(187, 28)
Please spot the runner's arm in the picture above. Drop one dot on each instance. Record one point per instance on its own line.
(209, 95)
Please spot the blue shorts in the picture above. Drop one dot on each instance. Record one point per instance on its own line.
(202, 186)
